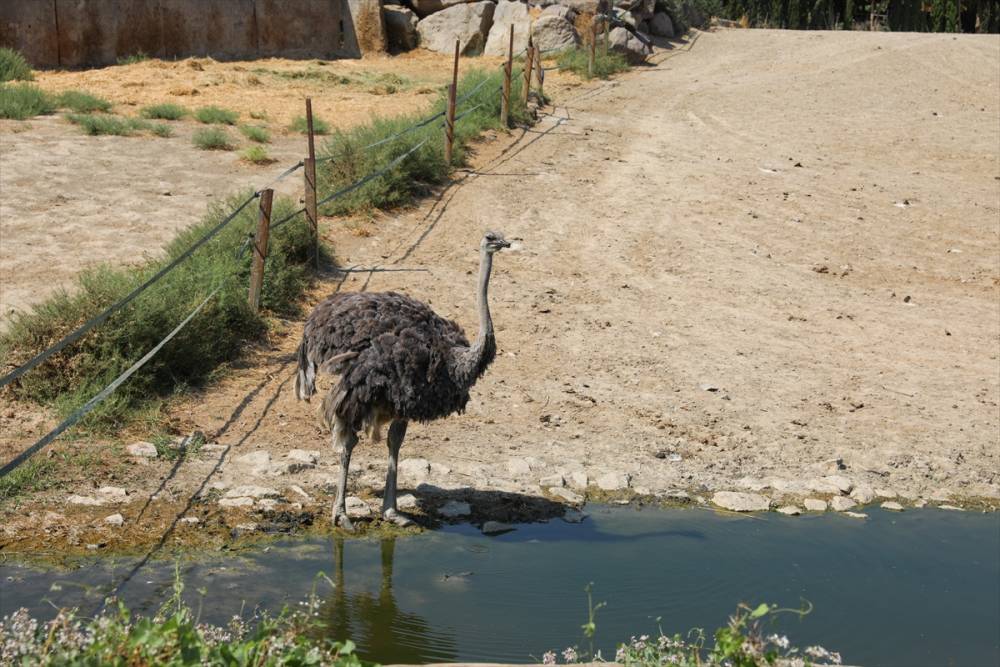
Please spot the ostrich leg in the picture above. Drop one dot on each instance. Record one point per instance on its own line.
(397, 429)
(346, 439)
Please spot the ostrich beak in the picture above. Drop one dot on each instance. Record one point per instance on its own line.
(505, 244)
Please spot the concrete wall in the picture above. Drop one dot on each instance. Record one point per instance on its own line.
(77, 33)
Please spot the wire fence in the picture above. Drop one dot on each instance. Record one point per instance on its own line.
(251, 241)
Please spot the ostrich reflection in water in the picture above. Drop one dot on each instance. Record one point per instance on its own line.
(382, 631)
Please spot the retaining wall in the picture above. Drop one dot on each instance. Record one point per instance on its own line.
(77, 33)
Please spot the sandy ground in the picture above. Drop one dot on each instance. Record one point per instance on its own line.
(771, 258)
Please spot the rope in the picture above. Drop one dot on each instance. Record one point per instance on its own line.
(403, 132)
(104, 393)
(114, 308)
(284, 174)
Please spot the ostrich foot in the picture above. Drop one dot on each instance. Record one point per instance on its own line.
(397, 518)
(341, 521)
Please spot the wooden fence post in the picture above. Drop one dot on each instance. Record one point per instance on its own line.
(528, 56)
(449, 122)
(260, 248)
(593, 50)
(507, 71)
(540, 75)
(309, 170)
(607, 22)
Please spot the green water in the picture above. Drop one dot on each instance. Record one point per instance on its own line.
(910, 589)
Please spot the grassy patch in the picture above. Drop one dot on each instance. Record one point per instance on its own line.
(164, 112)
(216, 116)
(138, 57)
(82, 102)
(257, 155)
(256, 133)
(161, 130)
(100, 124)
(576, 61)
(215, 335)
(13, 66)
(426, 166)
(32, 475)
(299, 125)
(213, 139)
(21, 101)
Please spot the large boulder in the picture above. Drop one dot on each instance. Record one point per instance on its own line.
(508, 14)
(364, 27)
(553, 33)
(660, 25)
(622, 41)
(401, 27)
(425, 8)
(581, 6)
(561, 11)
(468, 23)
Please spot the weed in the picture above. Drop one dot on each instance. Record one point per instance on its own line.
(13, 66)
(164, 112)
(257, 155)
(100, 124)
(215, 336)
(256, 133)
(213, 139)
(24, 100)
(299, 125)
(216, 116)
(81, 102)
(605, 64)
(33, 475)
(137, 57)
(161, 130)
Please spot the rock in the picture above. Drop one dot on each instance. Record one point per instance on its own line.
(814, 504)
(622, 41)
(299, 491)
(401, 27)
(508, 14)
(561, 11)
(953, 508)
(113, 494)
(892, 505)
(425, 8)
(496, 528)
(578, 480)
(191, 520)
(236, 502)
(407, 501)
(841, 504)
(83, 500)
(863, 493)
(741, 502)
(552, 480)
(518, 467)
(260, 459)
(882, 492)
(267, 504)
(250, 491)
(468, 23)
(302, 459)
(675, 495)
(357, 508)
(613, 481)
(244, 529)
(455, 508)
(941, 495)
(143, 450)
(856, 515)
(752, 483)
(574, 516)
(833, 484)
(364, 27)
(661, 25)
(632, 20)
(581, 6)
(114, 520)
(567, 495)
(920, 504)
(439, 469)
(704, 386)
(789, 510)
(553, 33)
(414, 469)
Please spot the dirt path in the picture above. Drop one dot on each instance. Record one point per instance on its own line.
(769, 259)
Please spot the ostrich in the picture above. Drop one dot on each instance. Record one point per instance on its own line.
(397, 361)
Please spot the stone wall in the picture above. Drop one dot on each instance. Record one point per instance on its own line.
(77, 33)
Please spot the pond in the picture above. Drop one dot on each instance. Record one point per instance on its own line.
(909, 589)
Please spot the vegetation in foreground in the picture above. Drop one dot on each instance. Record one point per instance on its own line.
(13, 66)
(82, 102)
(213, 139)
(300, 125)
(605, 64)
(216, 335)
(257, 155)
(212, 115)
(20, 101)
(166, 111)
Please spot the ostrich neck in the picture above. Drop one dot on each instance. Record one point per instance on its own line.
(472, 361)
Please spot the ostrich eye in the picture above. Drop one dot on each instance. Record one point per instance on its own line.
(491, 237)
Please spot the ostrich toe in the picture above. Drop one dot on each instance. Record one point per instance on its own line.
(341, 521)
(397, 518)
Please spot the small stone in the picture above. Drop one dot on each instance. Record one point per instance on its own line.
(675, 495)
(251, 491)
(614, 481)
(115, 494)
(267, 504)
(518, 467)
(892, 505)
(144, 450)
(114, 520)
(882, 492)
(741, 502)
(708, 386)
(953, 508)
(407, 501)
(299, 491)
(552, 480)
(578, 480)
(920, 504)
(357, 508)
(841, 504)
(814, 504)
(191, 520)
(301, 459)
(235, 502)
(496, 528)
(574, 516)
(863, 493)
(832, 484)
(789, 510)
(83, 500)
(455, 508)
(415, 469)
(856, 515)
(569, 496)
(244, 529)
(440, 469)
(259, 459)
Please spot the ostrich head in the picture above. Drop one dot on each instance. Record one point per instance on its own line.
(493, 242)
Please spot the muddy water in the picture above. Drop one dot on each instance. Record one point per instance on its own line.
(910, 589)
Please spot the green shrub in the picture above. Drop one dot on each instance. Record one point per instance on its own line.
(215, 335)
(216, 116)
(161, 130)
(605, 64)
(299, 125)
(13, 66)
(21, 101)
(213, 139)
(257, 155)
(100, 124)
(423, 168)
(82, 102)
(256, 133)
(133, 59)
(164, 112)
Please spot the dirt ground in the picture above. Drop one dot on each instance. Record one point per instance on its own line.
(770, 263)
